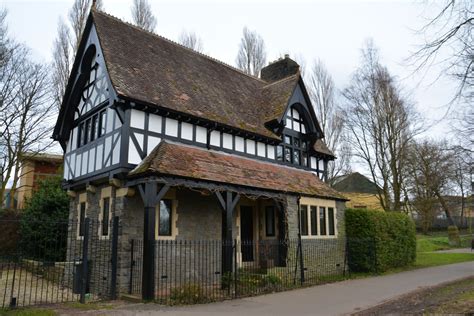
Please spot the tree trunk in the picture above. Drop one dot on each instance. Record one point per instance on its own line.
(445, 208)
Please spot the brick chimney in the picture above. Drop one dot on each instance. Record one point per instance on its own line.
(279, 69)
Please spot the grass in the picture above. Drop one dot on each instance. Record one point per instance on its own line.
(432, 259)
(437, 242)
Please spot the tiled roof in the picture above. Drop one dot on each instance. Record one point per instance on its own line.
(149, 68)
(355, 182)
(321, 147)
(200, 164)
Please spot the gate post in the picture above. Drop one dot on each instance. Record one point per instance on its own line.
(113, 286)
(85, 259)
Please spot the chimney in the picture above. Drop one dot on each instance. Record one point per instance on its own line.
(279, 69)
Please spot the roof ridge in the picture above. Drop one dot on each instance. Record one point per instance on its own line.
(213, 59)
(282, 80)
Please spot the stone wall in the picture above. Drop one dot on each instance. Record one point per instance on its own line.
(194, 251)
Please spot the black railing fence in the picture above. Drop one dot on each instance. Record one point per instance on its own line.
(63, 265)
(188, 272)
(85, 261)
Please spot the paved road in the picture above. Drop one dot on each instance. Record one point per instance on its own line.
(330, 299)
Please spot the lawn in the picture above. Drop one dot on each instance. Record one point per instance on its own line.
(431, 259)
(439, 242)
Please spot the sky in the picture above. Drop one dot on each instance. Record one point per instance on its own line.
(332, 31)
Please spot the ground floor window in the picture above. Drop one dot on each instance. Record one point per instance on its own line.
(304, 220)
(270, 221)
(165, 218)
(105, 217)
(81, 218)
(317, 220)
(332, 229)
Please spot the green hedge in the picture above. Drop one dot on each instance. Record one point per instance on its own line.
(378, 241)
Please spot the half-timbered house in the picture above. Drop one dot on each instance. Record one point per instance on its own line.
(184, 147)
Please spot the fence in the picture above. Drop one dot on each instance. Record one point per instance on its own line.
(60, 266)
(79, 261)
(189, 272)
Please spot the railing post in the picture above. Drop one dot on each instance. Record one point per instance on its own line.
(374, 245)
(132, 264)
(235, 269)
(85, 258)
(113, 286)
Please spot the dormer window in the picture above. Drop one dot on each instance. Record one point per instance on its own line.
(294, 149)
(295, 122)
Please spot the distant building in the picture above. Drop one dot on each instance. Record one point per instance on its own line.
(359, 189)
(35, 167)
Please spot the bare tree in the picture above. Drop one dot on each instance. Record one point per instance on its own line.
(380, 124)
(191, 40)
(142, 15)
(449, 42)
(252, 56)
(62, 62)
(66, 44)
(430, 172)
(25, 113)
(331, 118)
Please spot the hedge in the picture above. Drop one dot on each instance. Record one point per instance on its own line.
(9, 232)
(378, 241)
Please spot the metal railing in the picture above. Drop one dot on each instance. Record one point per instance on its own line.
(193, 271)
(60, 266)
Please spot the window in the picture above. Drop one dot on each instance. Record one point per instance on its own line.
(102, 120)
(164, 217)
(304, 220)
(87, 131)
(314, 220)
(91, 129)
(82, 217)
(105, 216)
(295, 148)
(294, 121)
(322, 221)
(332, 230)
(270, 221)
(94, 128)
(318, 221)
(279, 153)
(80, 136)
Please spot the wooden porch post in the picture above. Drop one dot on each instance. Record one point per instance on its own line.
(282, 237)
(151, 198)
(228, 202)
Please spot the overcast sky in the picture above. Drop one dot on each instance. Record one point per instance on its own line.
(333, 31)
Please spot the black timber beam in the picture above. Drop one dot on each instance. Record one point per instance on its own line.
(151, 197)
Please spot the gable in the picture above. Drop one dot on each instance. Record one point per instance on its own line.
(301, 102)
(88, 87)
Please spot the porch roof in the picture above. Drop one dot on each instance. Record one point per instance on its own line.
(206, 165)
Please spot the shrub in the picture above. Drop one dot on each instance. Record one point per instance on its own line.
(188, 294)
(378, 241)
(44, 222)
(453, 236)
(9, 232)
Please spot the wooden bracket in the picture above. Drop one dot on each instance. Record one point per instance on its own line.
(71, 194)
(115, 182)
(91, 189)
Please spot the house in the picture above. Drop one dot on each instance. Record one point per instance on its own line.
(34, 167)
(182, 146)
(361, 191)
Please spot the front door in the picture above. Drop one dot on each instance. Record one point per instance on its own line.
(246, 233)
